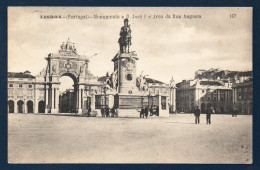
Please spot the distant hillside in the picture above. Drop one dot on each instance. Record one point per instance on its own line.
(221, 74)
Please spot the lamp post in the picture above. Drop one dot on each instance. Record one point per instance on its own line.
(105, 88)
(172, 95)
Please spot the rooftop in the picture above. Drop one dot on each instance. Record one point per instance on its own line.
(210, 83)
(150, 80)
(20, 75)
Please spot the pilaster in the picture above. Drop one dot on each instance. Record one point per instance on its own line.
(47, 99)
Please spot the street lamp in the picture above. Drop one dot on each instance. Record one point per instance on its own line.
(105, 88)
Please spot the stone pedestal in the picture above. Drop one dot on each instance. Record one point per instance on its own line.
(125, 63)
(128, 99)
(129, 105)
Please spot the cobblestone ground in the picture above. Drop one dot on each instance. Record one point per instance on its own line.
(36, 138)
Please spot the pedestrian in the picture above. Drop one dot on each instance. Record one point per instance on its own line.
(157, 110)
(151, 111)
(197, 115)
(89, 111)
(116, 112)
(233, 112)
(208, 115)
(113, 111)
(102, 111)
(107, 111)
(146, 112)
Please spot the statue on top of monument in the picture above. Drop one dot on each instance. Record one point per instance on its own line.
(62, 47)
(172, 83)
(68, 47)
(74, 48)
(125, 37)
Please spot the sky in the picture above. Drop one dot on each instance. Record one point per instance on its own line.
(166, 47)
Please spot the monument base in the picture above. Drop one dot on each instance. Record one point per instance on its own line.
(133, 102)
(129, 105)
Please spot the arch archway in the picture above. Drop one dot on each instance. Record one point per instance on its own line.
(41, 106)
(20, 105)
(203, 108)
(66, 62)
(29, 106)
(68, 93)
(11, 106)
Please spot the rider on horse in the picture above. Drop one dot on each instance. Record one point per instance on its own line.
(125, 37)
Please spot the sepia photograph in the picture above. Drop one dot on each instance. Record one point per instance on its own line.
(120, 85)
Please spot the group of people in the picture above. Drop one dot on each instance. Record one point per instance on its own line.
(107, 112)
(235, 112)
(197, 112)
(145, 112)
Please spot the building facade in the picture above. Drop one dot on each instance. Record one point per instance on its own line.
(243, 96)
(24, 94)
(204, 93)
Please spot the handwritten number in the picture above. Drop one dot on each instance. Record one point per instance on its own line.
(233, 15)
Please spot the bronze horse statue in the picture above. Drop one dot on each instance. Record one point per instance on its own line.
(125, 38)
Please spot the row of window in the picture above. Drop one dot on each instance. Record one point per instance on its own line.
(20, 85)
(187, 92)
(213, 99)
(244, 97)
(203, 91)
(158, 89)
(245, 89)
(29, 79)
(20, 93)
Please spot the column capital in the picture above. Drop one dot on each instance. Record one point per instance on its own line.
(81, 86)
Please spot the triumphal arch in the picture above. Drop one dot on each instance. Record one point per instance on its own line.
(66, 62)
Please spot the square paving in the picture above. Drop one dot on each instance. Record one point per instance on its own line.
(34, 138)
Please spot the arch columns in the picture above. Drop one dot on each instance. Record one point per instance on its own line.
(15, 107)
(80, 97)
(25, 108)
(55, 98)
(35, 108)
(47, 99)
(36, 96)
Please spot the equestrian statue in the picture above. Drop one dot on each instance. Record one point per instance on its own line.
(125, 38)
